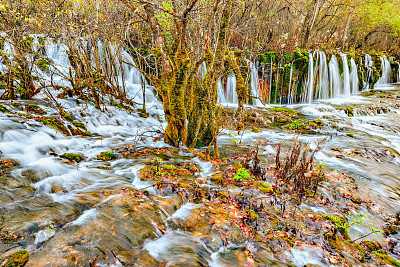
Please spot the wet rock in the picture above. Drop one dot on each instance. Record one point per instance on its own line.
(121, 224)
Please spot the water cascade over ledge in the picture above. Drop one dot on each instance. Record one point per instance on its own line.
(317, 77)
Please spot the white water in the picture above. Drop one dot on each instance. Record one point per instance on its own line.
(386, 73)
(354, 77)
(398, 74)
(346, 77)
(369, 63)
(323, 77)
(290, 96)
(325, 81)
(255, 83)
(334, 74)
(309, 97)
(125, 75)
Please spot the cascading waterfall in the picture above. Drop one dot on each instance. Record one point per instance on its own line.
(325, 81)
(290, 96)
(334, 74)
(310, 82)
(255, 83)
(126, 75)
(323, 77)
(386, 72)
(398, 73)
(369, 63)
(230, 90)
(346, 91)
(354, 77)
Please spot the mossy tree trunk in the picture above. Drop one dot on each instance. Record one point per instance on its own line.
(190, 102)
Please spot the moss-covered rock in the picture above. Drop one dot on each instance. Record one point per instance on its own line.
(106, 155)
(66, 116)
(56, 124)
(371, 245)
(72, 157)
(18, 259)
(3, 109)
(79, 125)
(35, 109)
(386, 259)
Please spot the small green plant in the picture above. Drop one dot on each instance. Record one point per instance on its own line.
(115, 104)
(265, 188)
(234, 140)
(106, 155)
(157, 160)
(241, 174)
(340, 223)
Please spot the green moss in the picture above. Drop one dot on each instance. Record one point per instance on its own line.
(55, 123)
(253, 215)
(332, 240)
(3, 109)
(242, 173)
(106, 155)
(168, 167)
(66, 116)
(285, 110)
(350, 135)
(72, 157)
(255, 130)
(79, 124)
(18, 259)
(339, 222)
(371, 245)
(382, 255)
(264, 187)
(35, 109)
(356, 247)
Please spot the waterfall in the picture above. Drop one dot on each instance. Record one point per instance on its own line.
(230, 90)
(346, 76)
(368, 65)
(398, 73)
(334, 74)
(290, 94)
(323, 88)
(122, 73)
(386, 72)
(353, 77)
(310, 82)
(221, 93)
(270, 81)
(255, 83)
